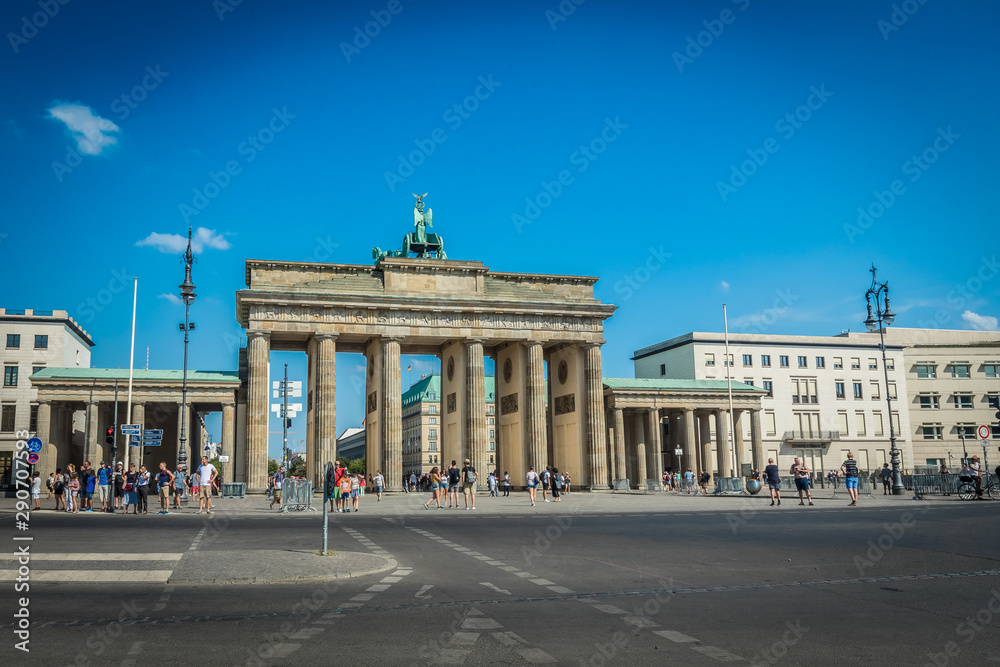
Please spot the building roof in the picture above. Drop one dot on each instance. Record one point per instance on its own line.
(847, 340)
(138, 375)
(429, 389)
(348, 432)
(678, 385)
(29, 315)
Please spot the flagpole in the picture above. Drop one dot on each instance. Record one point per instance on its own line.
(131, 365)
(729, 380)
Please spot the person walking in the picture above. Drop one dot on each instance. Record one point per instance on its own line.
(355, 490)
(506, 484)
(800, 473)
(379, 484)
(276, 480)
(435, 481)
(48, 485)
(206, 475)
(104, 474)
(454, 477)
(532, 480)
(703, 481)
(130, 494)
(180, 484)
(886, 479)
(546, 478)
(689, 481)
(851, 474)
(773, 481)
(36, 490)
(557, 485)
(143, 489)
(164, 480)
(469, 478)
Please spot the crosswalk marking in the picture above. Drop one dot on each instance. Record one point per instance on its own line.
(102, 557)
(674, 636)
(93, 576)
(717, 653)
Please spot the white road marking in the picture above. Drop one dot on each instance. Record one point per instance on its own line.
(717, 653)
(542, 582)
(377, 588)
(489, 585)
(93, 576)
(611, 609)
(104, 557)
(674, 636)
(480, 624)
(422, 592)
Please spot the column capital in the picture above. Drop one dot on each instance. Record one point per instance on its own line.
(326, 335)
(258, 333)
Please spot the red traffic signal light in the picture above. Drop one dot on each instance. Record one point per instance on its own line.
(110, 435)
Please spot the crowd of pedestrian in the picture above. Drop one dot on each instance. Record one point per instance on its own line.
(119, 490)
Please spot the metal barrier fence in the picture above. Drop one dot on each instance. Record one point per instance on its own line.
(654, 485)
(729, 486)
(297, 495)
(234, 489)
(864, 486)
(621, 485)
(941, 485)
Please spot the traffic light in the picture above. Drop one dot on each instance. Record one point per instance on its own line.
(288, 422)
(110, 435)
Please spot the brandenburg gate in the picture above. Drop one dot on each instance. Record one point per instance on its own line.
(416, 301)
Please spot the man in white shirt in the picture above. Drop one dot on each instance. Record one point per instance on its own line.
(206, 475)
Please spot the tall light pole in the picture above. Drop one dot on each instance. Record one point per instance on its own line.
(883, 317)
(187, 296)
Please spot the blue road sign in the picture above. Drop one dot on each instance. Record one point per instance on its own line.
(152, 434)
(34, 446)
(134, 441)
(131, 429)
(152, 443)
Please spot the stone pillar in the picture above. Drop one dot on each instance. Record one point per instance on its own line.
(688, 459)
(706, 444)
(138, 417)
(477, 435)
(258, 355)
(392, 414)
(595, 441)
(92, 446)
(738, 441)
(757, 442)
(609, 419)
(655, 449)
(619, 444)
(722, 443)
(537, 445)
(47, 456)
(641, 471)
(324, 445)
(228, 439)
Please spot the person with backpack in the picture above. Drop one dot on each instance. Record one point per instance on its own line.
(556, 485)
(851, 474)
(164, 480)
(379, 482)
(58, 485)
(344, 503)
(104, 485)
(454, 477)
(546, 478)
(703, 481)
(469, 477)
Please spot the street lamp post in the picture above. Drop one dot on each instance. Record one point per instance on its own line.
(883, 317)
(187, 296)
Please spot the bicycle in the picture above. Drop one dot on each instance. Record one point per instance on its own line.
(967, 488)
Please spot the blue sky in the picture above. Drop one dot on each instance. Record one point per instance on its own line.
(687, 153)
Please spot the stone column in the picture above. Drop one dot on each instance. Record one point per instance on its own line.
(47, 456)
(392, 414)
(325, 408)
(477, 435)
(620, 444)
(706, 444)
(595, 431)
(258, 355)
(228, 439)
(738, 441)
(609, 419)
(722, 443)
(655, 453)
(641, 471)
(537, 445)
(688, 460)
(138, 417)
(92, 445)
(757, 442)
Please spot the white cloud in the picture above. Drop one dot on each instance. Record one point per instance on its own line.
(724, 285)
(90, 130)
(172, 298)
(201, 238)
(980, 322)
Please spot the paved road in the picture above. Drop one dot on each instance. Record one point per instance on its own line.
(623, 583)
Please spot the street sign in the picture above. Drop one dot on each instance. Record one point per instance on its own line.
(152, 434)
(34, 445)
(32, 458)
(986, 443)
(152, 443)
(678, 451)
(983, 431)
(223, 459)
(131, 429)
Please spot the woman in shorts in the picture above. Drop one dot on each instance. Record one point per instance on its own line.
(435, 483)
(379, 484)
(532, 479)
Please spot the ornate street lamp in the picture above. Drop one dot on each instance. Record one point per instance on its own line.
(883, 317)
(187, 296)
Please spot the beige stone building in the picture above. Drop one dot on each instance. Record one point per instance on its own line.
(33, 340)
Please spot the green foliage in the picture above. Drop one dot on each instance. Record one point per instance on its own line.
(272, 467)
(297, 467)
(355, 465)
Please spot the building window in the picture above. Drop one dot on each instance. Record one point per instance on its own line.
(493, 446)
(931, 431)
(7, 414)
(748, 381)
(748, 360)
(963, 401)
(769, 388)
(960, 370)
(872, 364)
(926, 371)
(729, 359)
(842, 420)
(878, 424)
(765, 360)
(996, 431)
(33, 419)
(769, 425)
(966, 430)
(890, 365)
(993, 400)
(489, 409)
(892, 390)
(493, 434)
(41, 342)
(432, 446)
(802, 362)
(992, 370)
(859, 418)
(840, 390)
(874, 391)
(709, 359)
(820, 362)
(857, 390)
(838, 362)
(10, 376)
(929, 402)
(491, 421)
(35, 369)
(855, 363)
(13, 340)
(432, 434)
(432, 409)
(432, 420)
(783, 360)
(663, 369)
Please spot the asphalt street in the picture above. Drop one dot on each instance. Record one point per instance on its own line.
(727, 581)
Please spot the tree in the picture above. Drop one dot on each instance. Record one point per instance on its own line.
(272, 467)
(297, 467)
